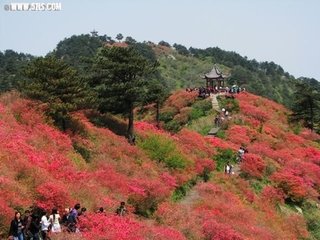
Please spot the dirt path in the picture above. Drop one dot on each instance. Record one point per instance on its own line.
(191, 198)
(236, 169)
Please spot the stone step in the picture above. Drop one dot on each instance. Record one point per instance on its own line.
(213, 131)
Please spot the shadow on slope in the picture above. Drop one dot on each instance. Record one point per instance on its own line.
(107, 120)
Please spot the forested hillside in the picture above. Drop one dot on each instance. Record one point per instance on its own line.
(179, 66)
(11, 67)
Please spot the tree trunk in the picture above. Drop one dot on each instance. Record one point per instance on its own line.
(64, 128)
(158, 114)
(311, 114)
(130, 125)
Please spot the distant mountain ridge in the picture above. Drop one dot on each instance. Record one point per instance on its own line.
(179, 66)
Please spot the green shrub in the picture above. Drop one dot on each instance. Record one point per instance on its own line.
(181, 191)
(221, 134)
(163, 150)
(166, 116)
(196, 113)
(312, 215)
(258, 185)
(202, 125)
(200, 108)
(145, 206)
(223, 157)
(204, 131)
(83, 151)
(172, 126)
(231, 105)
(297, 129)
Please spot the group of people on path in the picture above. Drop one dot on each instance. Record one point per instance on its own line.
(241, 153)
(37, 223)
(228, 169)
(221, 117)
(31, 226)
(204, 92)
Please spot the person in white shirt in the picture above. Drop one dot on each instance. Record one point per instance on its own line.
(54, 220)
(44, 226)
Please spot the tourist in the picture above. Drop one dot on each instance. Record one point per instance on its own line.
(121, 210)
(241, 152)
(100, 210)
(64, 220)
(82, 212)
(34, 229)
(44, 225)
(217, 121)
(73, 219)
(26, 221)
(231, 169)
(227, 168)
(54, 221)
(16, 228)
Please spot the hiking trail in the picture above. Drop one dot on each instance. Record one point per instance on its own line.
(214, 101)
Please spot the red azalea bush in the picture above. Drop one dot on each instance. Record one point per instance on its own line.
(253, 165)
(111, 227)
(164, 233)
(144, 126)
(262, 149)
(240, 135)
(183, 116)
(218, 231)
(38, 164)
(253, 111)
(298, 226)
(204, 165)
(220, 143)
(181, 99)
(292, 185)
(193, 143)
(309, 135)
(272, 194)
(100, 227)
(53, 194)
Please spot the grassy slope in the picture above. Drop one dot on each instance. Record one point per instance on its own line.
(185, 71)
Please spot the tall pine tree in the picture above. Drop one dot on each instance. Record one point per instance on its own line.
(120, 78)
(306, 106)
(53, 82)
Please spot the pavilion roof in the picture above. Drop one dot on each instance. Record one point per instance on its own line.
(214, 73)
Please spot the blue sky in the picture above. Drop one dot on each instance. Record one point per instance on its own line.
(284, 31)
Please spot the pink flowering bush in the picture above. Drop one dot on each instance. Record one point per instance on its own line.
(253, 165)
(41, 165)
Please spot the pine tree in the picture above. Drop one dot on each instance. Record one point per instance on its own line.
(55, 83)
(306, 107)
(119, 37)
(120, 79)
(158, 92)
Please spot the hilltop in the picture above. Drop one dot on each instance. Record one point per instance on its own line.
(179, 67)
(173, 183)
